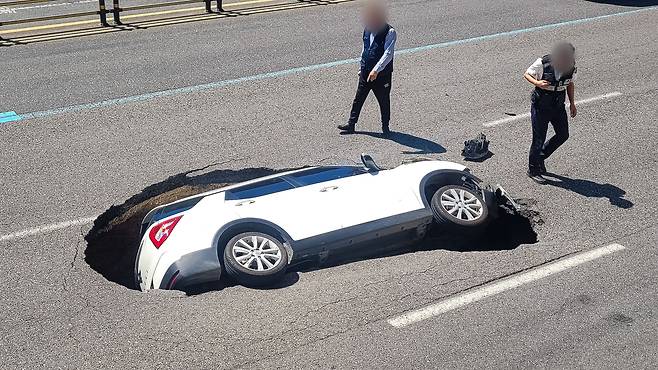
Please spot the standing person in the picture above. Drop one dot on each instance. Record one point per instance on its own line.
(553, 76)
(376, 65)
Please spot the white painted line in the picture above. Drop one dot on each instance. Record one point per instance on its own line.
(526, 115)
(600, 97)
(51, 5)
(6, 10)
(500, 286)
(505, 120)
(46, 229)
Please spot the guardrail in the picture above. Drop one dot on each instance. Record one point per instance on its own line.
(117, 9)
(102, 11)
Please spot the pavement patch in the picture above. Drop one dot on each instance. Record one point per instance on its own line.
(620, 319)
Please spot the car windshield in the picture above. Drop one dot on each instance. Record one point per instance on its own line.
(323, 174)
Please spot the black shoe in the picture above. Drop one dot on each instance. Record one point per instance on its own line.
(536, 177)
(386, 131)
(347, 128)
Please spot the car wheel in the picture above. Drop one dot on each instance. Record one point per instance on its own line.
(255, 259)
(459, 208)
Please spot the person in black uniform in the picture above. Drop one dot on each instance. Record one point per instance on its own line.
(553, 76)
(376, 68)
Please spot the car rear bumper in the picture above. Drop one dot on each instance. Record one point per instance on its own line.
(194, 268)
(145, 264)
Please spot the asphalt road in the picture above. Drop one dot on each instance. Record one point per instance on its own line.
(91, 69)
(73, 165)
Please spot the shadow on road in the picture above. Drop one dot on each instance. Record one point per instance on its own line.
(591, 189)
(289, 279)
(156, 20)
(508, 231)
(421, 145)
(113, 241)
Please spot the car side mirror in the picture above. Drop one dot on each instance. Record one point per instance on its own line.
(369, 163)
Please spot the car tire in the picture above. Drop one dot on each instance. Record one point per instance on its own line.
(458, 208)
(256, 265)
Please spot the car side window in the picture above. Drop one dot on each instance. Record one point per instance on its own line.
(259, 189)
(322, 174)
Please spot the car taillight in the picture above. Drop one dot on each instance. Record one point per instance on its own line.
(161, 231)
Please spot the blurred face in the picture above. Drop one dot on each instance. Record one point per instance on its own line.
(374, 16)
(563, 59)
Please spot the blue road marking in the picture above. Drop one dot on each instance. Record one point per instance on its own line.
(314, 67)
(183, 90)
(9, 117)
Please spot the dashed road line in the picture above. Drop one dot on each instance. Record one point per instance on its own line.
(43, 229)
(501, 286)
(526, 115)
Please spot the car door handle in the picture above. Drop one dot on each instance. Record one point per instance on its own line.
(245, 202)
(329, 188)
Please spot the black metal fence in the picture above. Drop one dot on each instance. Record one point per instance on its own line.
(117, 9)
(102, 11)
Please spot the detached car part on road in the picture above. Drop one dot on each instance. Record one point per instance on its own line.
(255, 230)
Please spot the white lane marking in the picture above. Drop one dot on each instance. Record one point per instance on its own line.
(503, 285)
(45, 229)
(526, 115)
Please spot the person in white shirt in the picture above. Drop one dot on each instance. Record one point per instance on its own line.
(376, 68)
(553, 76)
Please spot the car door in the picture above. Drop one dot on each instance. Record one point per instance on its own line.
(395, 194)
(328, 185)
(301, 211)
(376, 196)
(360, 196)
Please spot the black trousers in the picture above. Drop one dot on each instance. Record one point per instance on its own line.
(541, 116)
(382, 89)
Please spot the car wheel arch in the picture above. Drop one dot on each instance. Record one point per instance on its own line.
(436, 179)
(236, 227)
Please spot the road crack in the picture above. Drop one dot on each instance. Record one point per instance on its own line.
(71, 266)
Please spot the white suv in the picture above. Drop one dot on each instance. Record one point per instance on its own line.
(256, 229)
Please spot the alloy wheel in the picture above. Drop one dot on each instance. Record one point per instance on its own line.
(256, 253)
(461, 204)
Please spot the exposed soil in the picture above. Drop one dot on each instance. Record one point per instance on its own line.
(113, 241)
